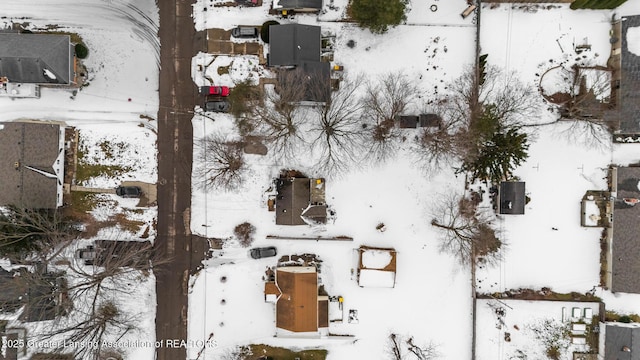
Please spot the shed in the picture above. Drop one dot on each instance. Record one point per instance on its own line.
(511, 197)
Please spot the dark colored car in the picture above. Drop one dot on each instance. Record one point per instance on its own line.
(129, 191)
(215, 90)
(259, 253)
(244, 32)
(216, 106)
(87, 254)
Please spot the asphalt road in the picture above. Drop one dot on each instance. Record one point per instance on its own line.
(178, 96)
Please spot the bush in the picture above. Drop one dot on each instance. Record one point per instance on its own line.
(624, 319)
(243, 97)
(378, 15)
(81, 51)
(264, 30)
(244, 233)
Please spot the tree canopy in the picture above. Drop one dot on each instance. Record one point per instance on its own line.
(378, 15)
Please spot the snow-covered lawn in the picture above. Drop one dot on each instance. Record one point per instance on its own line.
(430, 288)
(122, 66)
(433, 48)
(509, 328)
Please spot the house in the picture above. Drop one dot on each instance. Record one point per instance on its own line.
(300, 6)
(621, 341)
(32, 164)
(623, 260)
(300, 201)
(511, 198)
(297, 46)
(626, 80)
(40, 294)
(299, 308)
(376, 267)
(43, 59)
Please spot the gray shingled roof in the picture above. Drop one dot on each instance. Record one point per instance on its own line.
(31, 146)
(293, 198)
(619, 337)
(629, 98)
(300, 4)
(25, 57)
(512, 197)
(292, 44)
(625, 252)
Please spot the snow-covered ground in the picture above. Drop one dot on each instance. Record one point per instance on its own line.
(509, 328)
(434, 47)
(122, 66)
(430, 288)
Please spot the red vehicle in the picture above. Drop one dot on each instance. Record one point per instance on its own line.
(215, 90)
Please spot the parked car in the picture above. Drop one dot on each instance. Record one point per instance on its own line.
(129, 191)
(217, 106)
(87, 254)
(259, 253)
(215, 90)
(245, 32)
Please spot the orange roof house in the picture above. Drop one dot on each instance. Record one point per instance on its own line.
(299, 308)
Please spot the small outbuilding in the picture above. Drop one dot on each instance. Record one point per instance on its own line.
(511, 198)
(376, 267)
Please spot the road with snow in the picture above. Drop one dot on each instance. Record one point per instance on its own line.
(175, 152)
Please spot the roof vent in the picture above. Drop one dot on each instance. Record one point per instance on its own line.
(626, 349)
(16, 165)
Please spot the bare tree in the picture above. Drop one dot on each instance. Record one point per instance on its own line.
(400, 348)
(29, 232)
(280, 117)
(338, 133)
(220, 162)
(386, 99)
(465, 233)
(440, 144)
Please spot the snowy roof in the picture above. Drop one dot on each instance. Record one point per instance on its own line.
(512, 197)
(625, 248)
(291, 44)
(297, 307)
(30, 152)
(376, 258)
(622, 342)
(376, 278)
(36, 58)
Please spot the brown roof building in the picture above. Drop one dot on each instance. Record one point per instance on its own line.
(32, 164)
(299, 308)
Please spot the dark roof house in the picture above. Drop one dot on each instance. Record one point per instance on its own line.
(300, 201)
(511, 197)
(299, 308)
(291, 44)
(621, 342)
(32, 164)
(625, 248)
(44, 59)
(298, 5)
(299, 46)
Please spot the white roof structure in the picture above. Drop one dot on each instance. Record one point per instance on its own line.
(376, 278)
